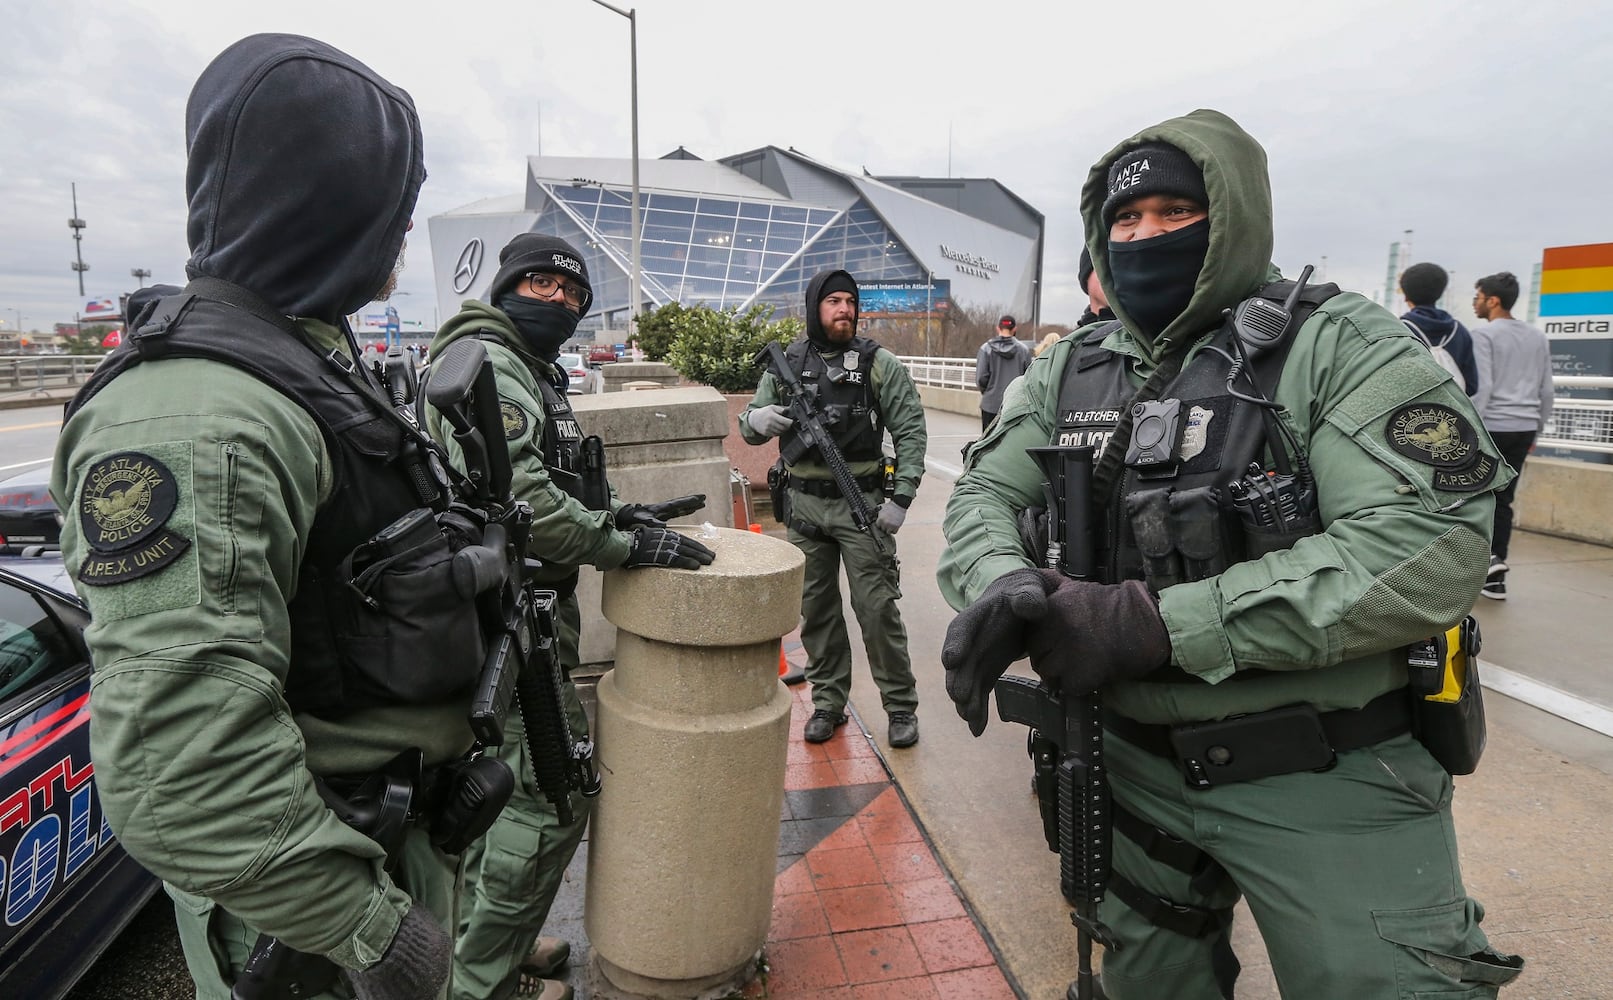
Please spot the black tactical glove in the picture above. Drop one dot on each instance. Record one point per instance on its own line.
(656, 546)
(1094, 633)
(631, 515)
(987, 636)
(415, 966)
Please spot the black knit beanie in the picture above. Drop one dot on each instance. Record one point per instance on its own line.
(837, 282)
(530, 252)
(1424, 283)
(1153, 169)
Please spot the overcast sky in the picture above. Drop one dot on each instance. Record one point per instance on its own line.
(1482, 125)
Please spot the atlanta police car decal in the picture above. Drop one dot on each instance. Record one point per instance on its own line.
(515, 421)
(123, 505)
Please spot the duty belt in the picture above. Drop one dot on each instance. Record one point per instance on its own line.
(829, 488)
(1264, 744)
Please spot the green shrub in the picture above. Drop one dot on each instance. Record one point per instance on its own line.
(657, 329)
(716, 347)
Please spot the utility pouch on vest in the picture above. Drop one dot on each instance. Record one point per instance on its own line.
(415, 638)
(1447, 696)
(1179, 533)
(778, 492)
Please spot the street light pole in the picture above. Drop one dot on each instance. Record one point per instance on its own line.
(76, 224)
(140, 274)
(634, 291)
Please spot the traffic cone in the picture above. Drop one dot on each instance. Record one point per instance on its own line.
(786, 675)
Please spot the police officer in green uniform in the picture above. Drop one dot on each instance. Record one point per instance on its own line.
(1380, 480)
(224, 479)
(540, 292)
(866, 391)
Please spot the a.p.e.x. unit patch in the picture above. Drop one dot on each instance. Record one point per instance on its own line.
(123, 506)
(1437, 435)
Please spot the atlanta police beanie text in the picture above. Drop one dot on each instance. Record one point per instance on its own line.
(531, 252)
(1152, 169)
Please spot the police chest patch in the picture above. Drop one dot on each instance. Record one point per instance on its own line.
(123, 506)
(1434, 435)
(515, 420)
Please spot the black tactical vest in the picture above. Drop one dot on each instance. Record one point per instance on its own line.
(560, 439)
(1176, 522)
(375, 619)
(843, 388)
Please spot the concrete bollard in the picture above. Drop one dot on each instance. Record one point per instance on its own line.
(693, 731)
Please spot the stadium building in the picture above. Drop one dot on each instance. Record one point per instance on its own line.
(754, 228)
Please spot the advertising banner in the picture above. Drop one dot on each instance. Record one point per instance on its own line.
(890, 299)
(100, 310)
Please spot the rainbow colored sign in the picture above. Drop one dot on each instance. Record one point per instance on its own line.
(1576, 291)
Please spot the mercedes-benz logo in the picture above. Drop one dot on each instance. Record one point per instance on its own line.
(470, 262)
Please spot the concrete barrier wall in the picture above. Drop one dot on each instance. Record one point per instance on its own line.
(965, 401)
(1563, 497)
(659, 443)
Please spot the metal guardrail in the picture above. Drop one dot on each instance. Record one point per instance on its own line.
(1580, 424)
(39, 372)
(1576, 423)
(946, 373)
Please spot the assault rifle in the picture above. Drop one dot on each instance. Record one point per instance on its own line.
(1072, 784)
(379, 809)
(522, 664)
(811, 433)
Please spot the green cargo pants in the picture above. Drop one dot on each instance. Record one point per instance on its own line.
(1351, 875)
(514, 872)
(217, 942)
(875, 582)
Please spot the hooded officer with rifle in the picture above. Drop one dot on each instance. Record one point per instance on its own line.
(829, 400)
(1289, 496)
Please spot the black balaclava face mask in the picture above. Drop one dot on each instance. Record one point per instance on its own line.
(1153, 279)
(545, 326)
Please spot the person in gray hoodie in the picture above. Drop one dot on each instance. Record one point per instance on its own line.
(1001, 360)
(1514, 399)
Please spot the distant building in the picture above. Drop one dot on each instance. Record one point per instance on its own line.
(752, 228)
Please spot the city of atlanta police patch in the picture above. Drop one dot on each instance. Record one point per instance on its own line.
(123, 505)
(1434, 435)
(515, 420)
(1439, 436)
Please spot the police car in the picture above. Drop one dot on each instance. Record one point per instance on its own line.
(66, 888)
(28, 516)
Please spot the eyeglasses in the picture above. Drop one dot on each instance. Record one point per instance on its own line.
(545, 284)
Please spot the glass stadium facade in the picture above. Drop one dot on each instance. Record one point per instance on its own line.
(725, 236)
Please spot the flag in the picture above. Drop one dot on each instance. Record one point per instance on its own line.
(114, 338)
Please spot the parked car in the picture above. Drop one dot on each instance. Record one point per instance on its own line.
(68, 888)
(28, 516)
(584, 379)
(602, 355)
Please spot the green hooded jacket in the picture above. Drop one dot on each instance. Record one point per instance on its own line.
(1326, 621)
(565, 534)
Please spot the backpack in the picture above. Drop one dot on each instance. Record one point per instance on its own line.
(1441, 355)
